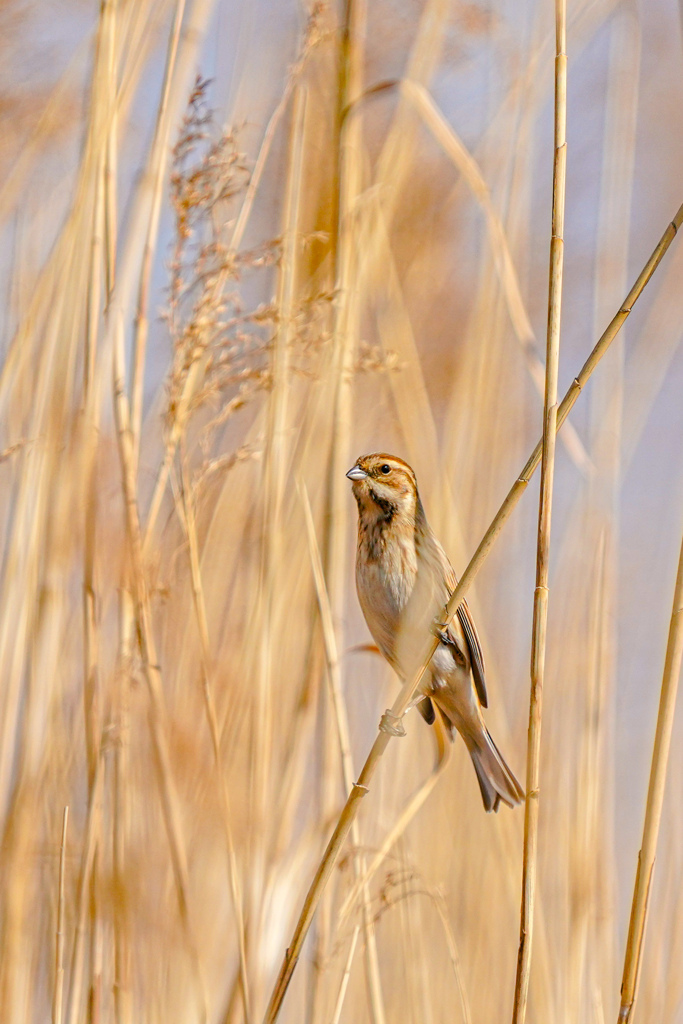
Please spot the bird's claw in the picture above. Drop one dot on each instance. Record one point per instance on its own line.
(392, 724)
(439, 630)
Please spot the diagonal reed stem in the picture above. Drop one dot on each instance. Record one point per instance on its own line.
(541, 591)
(407, 692)
(655, 798)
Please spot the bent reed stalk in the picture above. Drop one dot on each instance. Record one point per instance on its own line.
(407, 692)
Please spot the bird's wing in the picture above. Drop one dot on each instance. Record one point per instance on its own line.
(476, 655)
(470, 631)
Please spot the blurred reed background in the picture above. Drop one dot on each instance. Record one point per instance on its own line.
(242, 246)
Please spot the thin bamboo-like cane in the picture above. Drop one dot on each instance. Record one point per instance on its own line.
(655, 798)
(407, 692)
(541, 592)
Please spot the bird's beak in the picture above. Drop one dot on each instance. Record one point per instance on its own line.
(356, 473)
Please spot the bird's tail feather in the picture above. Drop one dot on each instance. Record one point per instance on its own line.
(496, 780)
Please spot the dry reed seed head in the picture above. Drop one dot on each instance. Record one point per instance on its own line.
(206, 312)
(375, 359)
(207, 315)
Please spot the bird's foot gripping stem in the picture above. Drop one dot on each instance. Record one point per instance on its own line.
(440, 631)
(392, 724)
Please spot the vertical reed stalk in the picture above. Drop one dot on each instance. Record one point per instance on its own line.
(141, 604)
(274, 464)
(57, 999)
(655, 799)
(540, 619)
(88, 852)
(346, 308)
(111, 158)
(159, 157)
(152, 671)
(90, 415)
(109, 187)
(592, 883)
(188, 519)
(347, 314)
(121, 810)
(105, 173)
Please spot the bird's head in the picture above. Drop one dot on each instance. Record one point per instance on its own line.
(384, 487)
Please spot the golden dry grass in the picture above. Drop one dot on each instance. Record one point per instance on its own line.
(205, 326)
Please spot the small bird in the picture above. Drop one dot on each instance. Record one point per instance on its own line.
(403, 579)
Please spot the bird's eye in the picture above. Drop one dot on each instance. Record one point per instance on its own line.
(386, 469)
